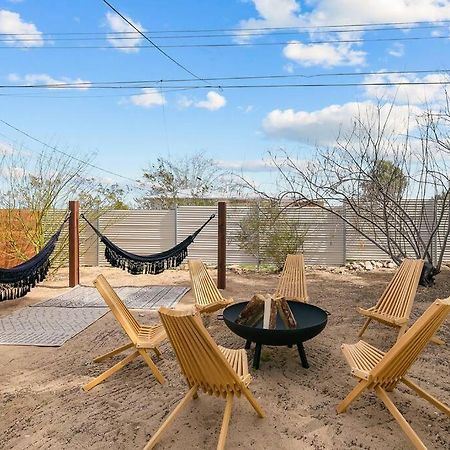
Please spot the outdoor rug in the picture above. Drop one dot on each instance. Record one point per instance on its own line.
(53, 322)
(46, 327)
(144, 297)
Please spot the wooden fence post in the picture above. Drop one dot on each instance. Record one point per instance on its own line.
(74, 243)
(222, 246)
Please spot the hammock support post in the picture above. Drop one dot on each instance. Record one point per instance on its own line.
(222, 245)
(74, 243)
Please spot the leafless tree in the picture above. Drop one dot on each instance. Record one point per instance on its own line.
(393, 188)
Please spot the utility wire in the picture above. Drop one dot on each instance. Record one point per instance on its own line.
(68, 155)
(151, 42)
(394, 25)
(229, 44)
(107, 84)
(126, 35)
(291, 85)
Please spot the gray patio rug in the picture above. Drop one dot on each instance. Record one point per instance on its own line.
(53, 322)
(144, 297)
(46, 327)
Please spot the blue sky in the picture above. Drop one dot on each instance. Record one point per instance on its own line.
(234, 127)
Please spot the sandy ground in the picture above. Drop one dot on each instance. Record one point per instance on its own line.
(43, 406)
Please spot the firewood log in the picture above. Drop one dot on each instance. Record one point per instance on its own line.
(285, 313)
(253, 311)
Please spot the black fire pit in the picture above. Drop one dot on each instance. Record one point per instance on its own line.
(311, 320)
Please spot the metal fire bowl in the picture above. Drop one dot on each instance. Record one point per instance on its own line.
(311, 320)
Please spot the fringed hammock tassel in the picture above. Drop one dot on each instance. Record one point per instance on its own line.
(150, 264)
(17, 281)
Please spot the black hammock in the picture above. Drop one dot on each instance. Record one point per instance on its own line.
(150, 264)
(17, 281)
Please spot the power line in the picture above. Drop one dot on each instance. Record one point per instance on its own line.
(127, 35)
(408, 25)
(295, 85)
(229, 44)
(68, 155)
(151, 42)
(137, 83)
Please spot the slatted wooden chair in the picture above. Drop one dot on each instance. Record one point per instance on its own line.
(142, 337)
(292, 284)
(208, 298)
(215, 370)
(394, 306)
(381, 372)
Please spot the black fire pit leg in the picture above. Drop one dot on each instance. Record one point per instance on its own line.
(301, 352)
(257, 356)
(248, 344)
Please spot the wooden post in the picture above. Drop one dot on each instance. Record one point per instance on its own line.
(74, 244)
(222, 246)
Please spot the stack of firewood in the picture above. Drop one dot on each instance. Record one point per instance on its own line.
(265, 307)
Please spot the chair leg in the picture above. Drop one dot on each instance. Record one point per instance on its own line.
(113, 352)
(424, 394)
(352, 396)
(364, 327)
(252, 400)
(225, 422)
(402, 331)
(181, 405)
(157, 352)
(111, 371)
(437, 340)
(404, 425)
(152, 365)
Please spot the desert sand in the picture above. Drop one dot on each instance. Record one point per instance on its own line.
(43, 406)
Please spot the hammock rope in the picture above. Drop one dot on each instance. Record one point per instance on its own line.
(17, 281)
(149, 264)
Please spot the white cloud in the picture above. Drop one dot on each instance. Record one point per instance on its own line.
(407, 94)
(213, 102)
(326, 55)
(45, 79)
(118, 25)
(150, 97)
(252, 165)
(323, 126)
(246, 109)
(257, 165)
(397, 50)
(276, 13)
(282, 13)
(6, 149)
(11, 23)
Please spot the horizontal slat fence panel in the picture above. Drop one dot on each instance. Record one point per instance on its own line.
(138, 231)
(328, 240)
(188, 220)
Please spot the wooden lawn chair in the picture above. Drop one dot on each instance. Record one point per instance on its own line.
(381, 372)
(208, 298)
(142, 337)
(215, 370)
(292, 284)
(394, 306)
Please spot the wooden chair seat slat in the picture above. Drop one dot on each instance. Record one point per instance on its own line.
(395, 304)
(216, 370)
(381, 372)
(208, 298)
(292, 283)
(142, 337)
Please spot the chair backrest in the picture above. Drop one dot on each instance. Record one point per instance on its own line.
(398, 297)
(118, 308)
(292, 284)
(397, 361)
(205, 290)
(201, 361)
